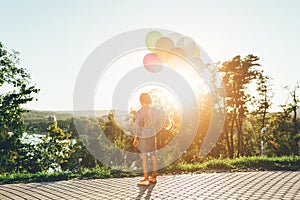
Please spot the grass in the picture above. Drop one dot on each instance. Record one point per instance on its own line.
(211, 165)
(284, 163)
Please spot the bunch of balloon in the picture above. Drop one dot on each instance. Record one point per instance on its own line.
(173, 50)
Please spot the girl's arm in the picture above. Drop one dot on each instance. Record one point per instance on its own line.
(137, 130)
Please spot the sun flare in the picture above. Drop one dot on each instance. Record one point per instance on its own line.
(161, 97)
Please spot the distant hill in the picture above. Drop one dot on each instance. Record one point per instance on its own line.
(42, 115)
(36, 115)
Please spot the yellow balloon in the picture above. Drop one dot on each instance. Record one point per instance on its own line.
(197, 52)
(151, 40)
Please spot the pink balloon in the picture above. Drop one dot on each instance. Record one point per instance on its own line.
(152, 63)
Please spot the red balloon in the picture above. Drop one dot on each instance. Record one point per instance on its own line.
(152, 63)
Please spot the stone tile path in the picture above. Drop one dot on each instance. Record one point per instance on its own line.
(239, 185)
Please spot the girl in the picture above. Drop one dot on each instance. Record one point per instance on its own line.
(145, 139)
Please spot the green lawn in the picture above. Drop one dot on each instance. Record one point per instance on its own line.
(239, 164)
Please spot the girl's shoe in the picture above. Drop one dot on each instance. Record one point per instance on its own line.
(152, 180)
(144, 183)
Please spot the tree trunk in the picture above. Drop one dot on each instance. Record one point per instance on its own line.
(238, 138)
(294, 140)
(226, 133)
(239, 126)
(231, 150)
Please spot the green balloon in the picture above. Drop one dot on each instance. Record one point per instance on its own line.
(151, 39)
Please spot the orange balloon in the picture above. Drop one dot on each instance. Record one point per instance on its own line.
(163, 46)
(175, 53)
(176, 58)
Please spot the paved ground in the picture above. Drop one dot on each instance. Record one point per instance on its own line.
(241, 185)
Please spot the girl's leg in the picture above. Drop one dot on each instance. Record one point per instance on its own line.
(154, 169)
(145, 167)
(145, 182)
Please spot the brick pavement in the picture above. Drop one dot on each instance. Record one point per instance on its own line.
(238, 185)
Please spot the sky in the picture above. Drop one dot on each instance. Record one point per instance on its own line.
(55, 37)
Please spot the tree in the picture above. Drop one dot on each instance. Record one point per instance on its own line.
(263, 105)
(81, 149)
(56, 148)
(264, 99)
(279, 135)
(238, 74)
(16, 90)
(293, 108)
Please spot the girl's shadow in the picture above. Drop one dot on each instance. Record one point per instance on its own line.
(143, 190)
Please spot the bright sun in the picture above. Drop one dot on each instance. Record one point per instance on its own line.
(160, 95)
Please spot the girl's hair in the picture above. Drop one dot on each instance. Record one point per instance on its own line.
(145, 99)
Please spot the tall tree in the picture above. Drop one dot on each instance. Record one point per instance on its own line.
(263, 104)
(264, 98)
(238, 74)
(294, 107)
(15, 91)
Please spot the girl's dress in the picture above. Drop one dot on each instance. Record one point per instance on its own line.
(144, 126)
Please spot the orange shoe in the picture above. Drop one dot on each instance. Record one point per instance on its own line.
(152, 180)
(144, 183)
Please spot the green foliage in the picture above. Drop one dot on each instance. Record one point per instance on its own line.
(242, 133)
(267, 163)
(103, 172)
(63, 149)
(280, 139)
(238, 75)
(19, 91)
(16, 91)
(56, 148)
